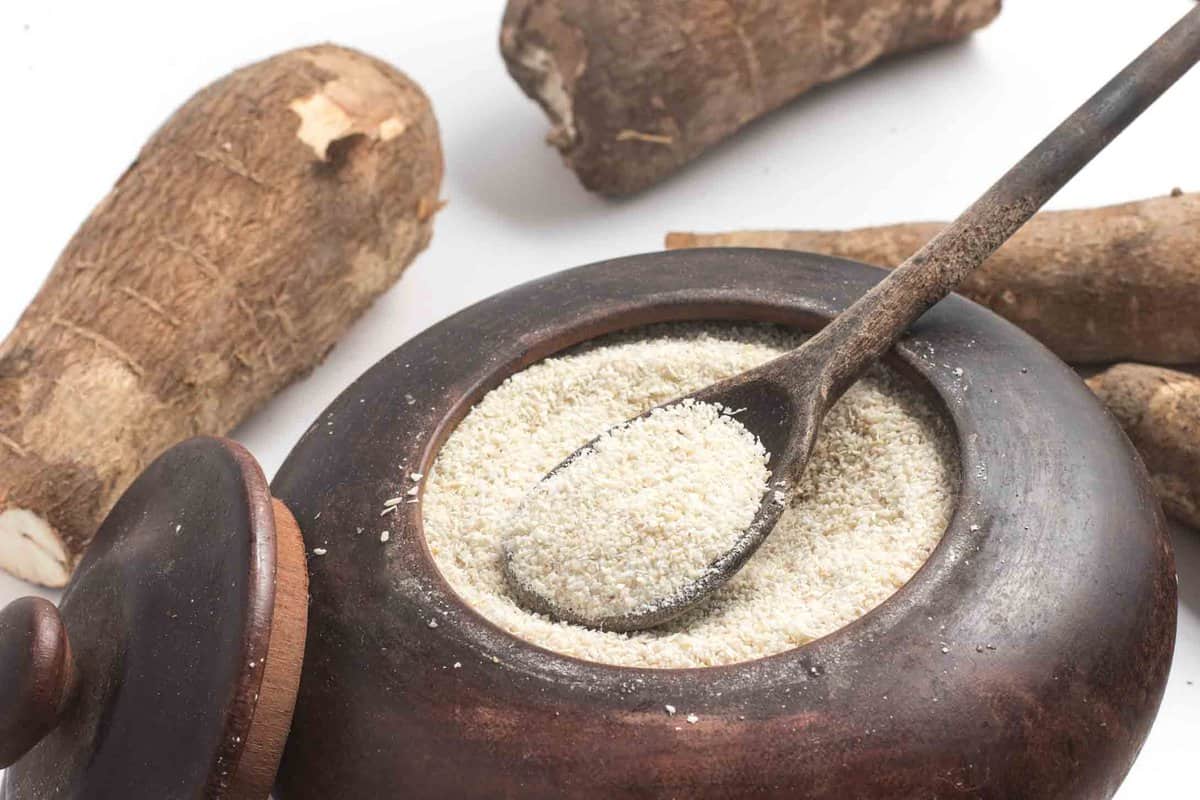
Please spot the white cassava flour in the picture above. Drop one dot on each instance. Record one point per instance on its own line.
(873, 502)
(640, 514)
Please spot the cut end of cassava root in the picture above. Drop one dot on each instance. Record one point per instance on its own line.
(636, 90)
(255, 225)
(1160, 411)
(32, 550)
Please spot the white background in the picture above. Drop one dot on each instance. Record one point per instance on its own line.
(84, 83)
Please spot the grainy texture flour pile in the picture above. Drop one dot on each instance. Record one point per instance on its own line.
(640, 514)
(873, 502)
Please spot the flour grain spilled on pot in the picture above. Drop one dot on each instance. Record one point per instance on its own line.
(873, 502)
(640, 514)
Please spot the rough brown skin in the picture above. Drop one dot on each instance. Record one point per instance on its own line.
(637, 88)
(1094, 285)
(261, 219)
(1160, 411)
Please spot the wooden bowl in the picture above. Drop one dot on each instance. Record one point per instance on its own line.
(1026, 658)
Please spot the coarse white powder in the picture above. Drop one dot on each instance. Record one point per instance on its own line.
(876, 496)
(640, 514)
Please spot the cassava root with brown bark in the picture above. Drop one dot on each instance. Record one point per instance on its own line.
(1160, 411)
(256, 224)
(1096, 286)
(637, 88)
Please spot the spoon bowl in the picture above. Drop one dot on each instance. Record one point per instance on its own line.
(766, 406)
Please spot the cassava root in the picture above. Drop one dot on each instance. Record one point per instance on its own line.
(1160, 411)
(255, 225)
(1096, 286)
(635, 88)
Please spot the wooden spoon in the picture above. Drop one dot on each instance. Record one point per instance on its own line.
(786, 399)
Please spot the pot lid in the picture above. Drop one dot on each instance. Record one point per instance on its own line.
(171, 667)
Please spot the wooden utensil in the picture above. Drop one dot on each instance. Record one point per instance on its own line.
(785, 400)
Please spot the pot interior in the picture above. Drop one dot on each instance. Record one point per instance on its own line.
(909, 364)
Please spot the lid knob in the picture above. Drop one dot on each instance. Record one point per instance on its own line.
(37, 675)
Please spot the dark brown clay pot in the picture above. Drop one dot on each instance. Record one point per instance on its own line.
(1026, 658)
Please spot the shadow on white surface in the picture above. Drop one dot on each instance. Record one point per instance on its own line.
(505, 165)
(1187, 561)
(1171, 746)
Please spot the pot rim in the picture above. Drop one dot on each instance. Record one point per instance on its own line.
(913, 367)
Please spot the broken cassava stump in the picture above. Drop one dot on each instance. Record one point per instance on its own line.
(1160, 411)
(1094, 285)
(636, 89)
(261, 219)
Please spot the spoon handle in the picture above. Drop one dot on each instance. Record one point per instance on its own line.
(867, 329)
